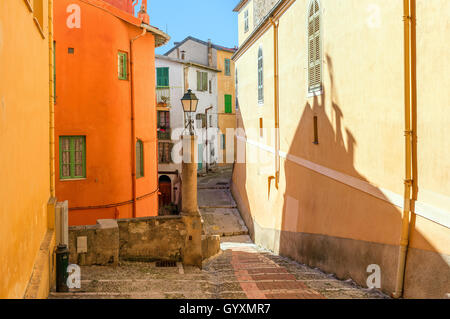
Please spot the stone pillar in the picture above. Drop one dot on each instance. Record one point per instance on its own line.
(192, 254)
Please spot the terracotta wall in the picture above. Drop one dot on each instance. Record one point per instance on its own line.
(93, 102)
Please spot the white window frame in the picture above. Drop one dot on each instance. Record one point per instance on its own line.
(260, 75)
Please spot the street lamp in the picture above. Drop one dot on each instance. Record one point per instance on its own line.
(192, 253)
(189, 102)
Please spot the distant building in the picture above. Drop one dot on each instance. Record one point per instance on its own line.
(330, 171)
(173, 78)
(217, 90)
(105, 110)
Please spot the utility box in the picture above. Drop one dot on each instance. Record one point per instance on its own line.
(62, 223)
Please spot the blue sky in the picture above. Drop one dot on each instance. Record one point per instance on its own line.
(203, 19)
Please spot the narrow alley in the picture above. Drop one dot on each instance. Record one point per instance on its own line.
(242, 270)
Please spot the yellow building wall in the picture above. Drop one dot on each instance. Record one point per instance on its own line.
(345, 194)
(225, 85)
(24, 148)
(242, 35)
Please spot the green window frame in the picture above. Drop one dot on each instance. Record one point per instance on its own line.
(72, 157)
(139, 159)
(227, 67)
(228, 103)
(162, 77)
(122, 58)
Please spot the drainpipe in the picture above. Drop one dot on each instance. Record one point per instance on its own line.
(410, 135)
(276, 105)
(51, 99)
(207, 152)
(133, 124)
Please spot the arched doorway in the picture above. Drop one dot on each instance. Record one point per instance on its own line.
(165, 188)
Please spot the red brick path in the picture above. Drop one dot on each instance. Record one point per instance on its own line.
(261, 278)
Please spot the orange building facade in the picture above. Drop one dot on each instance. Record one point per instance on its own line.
(105, 112)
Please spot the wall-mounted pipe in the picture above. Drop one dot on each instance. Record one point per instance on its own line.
(51, 99)
(133, 124)
(276, 177)
(410, 136)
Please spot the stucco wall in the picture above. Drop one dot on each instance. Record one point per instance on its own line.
(24, 146)
(345, 193)
(92, 101)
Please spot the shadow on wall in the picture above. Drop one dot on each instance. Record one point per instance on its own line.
(333, 226)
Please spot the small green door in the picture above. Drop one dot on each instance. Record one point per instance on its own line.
(200, 156)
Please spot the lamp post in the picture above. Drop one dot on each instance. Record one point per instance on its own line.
(189, 102)
(192, 254)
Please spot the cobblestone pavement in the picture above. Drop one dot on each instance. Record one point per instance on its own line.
(242, 270)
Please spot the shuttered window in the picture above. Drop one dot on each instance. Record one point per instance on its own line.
(314, 48)
(162, 77)
(227, 67)
(139, 159)
(72, 157)
(202, 81)
(260, 76)
(165, 152)
(228, 104)
(245, 20)
(122, 65)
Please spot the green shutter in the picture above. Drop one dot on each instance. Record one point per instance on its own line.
(199, 81)
(228, 104)
(205, 81)
(227, 67)
(162, 77)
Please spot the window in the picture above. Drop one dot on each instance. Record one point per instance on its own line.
(245, 21)
(139, 159)
(162, 77)
(260, 76)
(261, 129)
(201, 120)
(122, 63)
(202, 81)
(222, 140)
(228, 104)
(165, 152)
(210, 86)
(314, 49)
(227, 67)
(163, 125)
(316, 132)
(72, 157)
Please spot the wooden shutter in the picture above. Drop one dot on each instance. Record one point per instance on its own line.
(205, 81)
(260, 76)
(228, 104)
(315, 49)
(162, 77)
(199, 81)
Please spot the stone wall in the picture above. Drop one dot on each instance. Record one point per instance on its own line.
(152, 238)
(261, 8)
(134, 239)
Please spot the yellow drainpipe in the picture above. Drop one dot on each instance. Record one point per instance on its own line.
(410, 136)
(51, 100)
(276, 106)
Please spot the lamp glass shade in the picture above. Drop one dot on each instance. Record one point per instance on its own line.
(189, 101)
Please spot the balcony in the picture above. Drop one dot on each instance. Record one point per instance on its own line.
(164, 133)
(163, 96)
